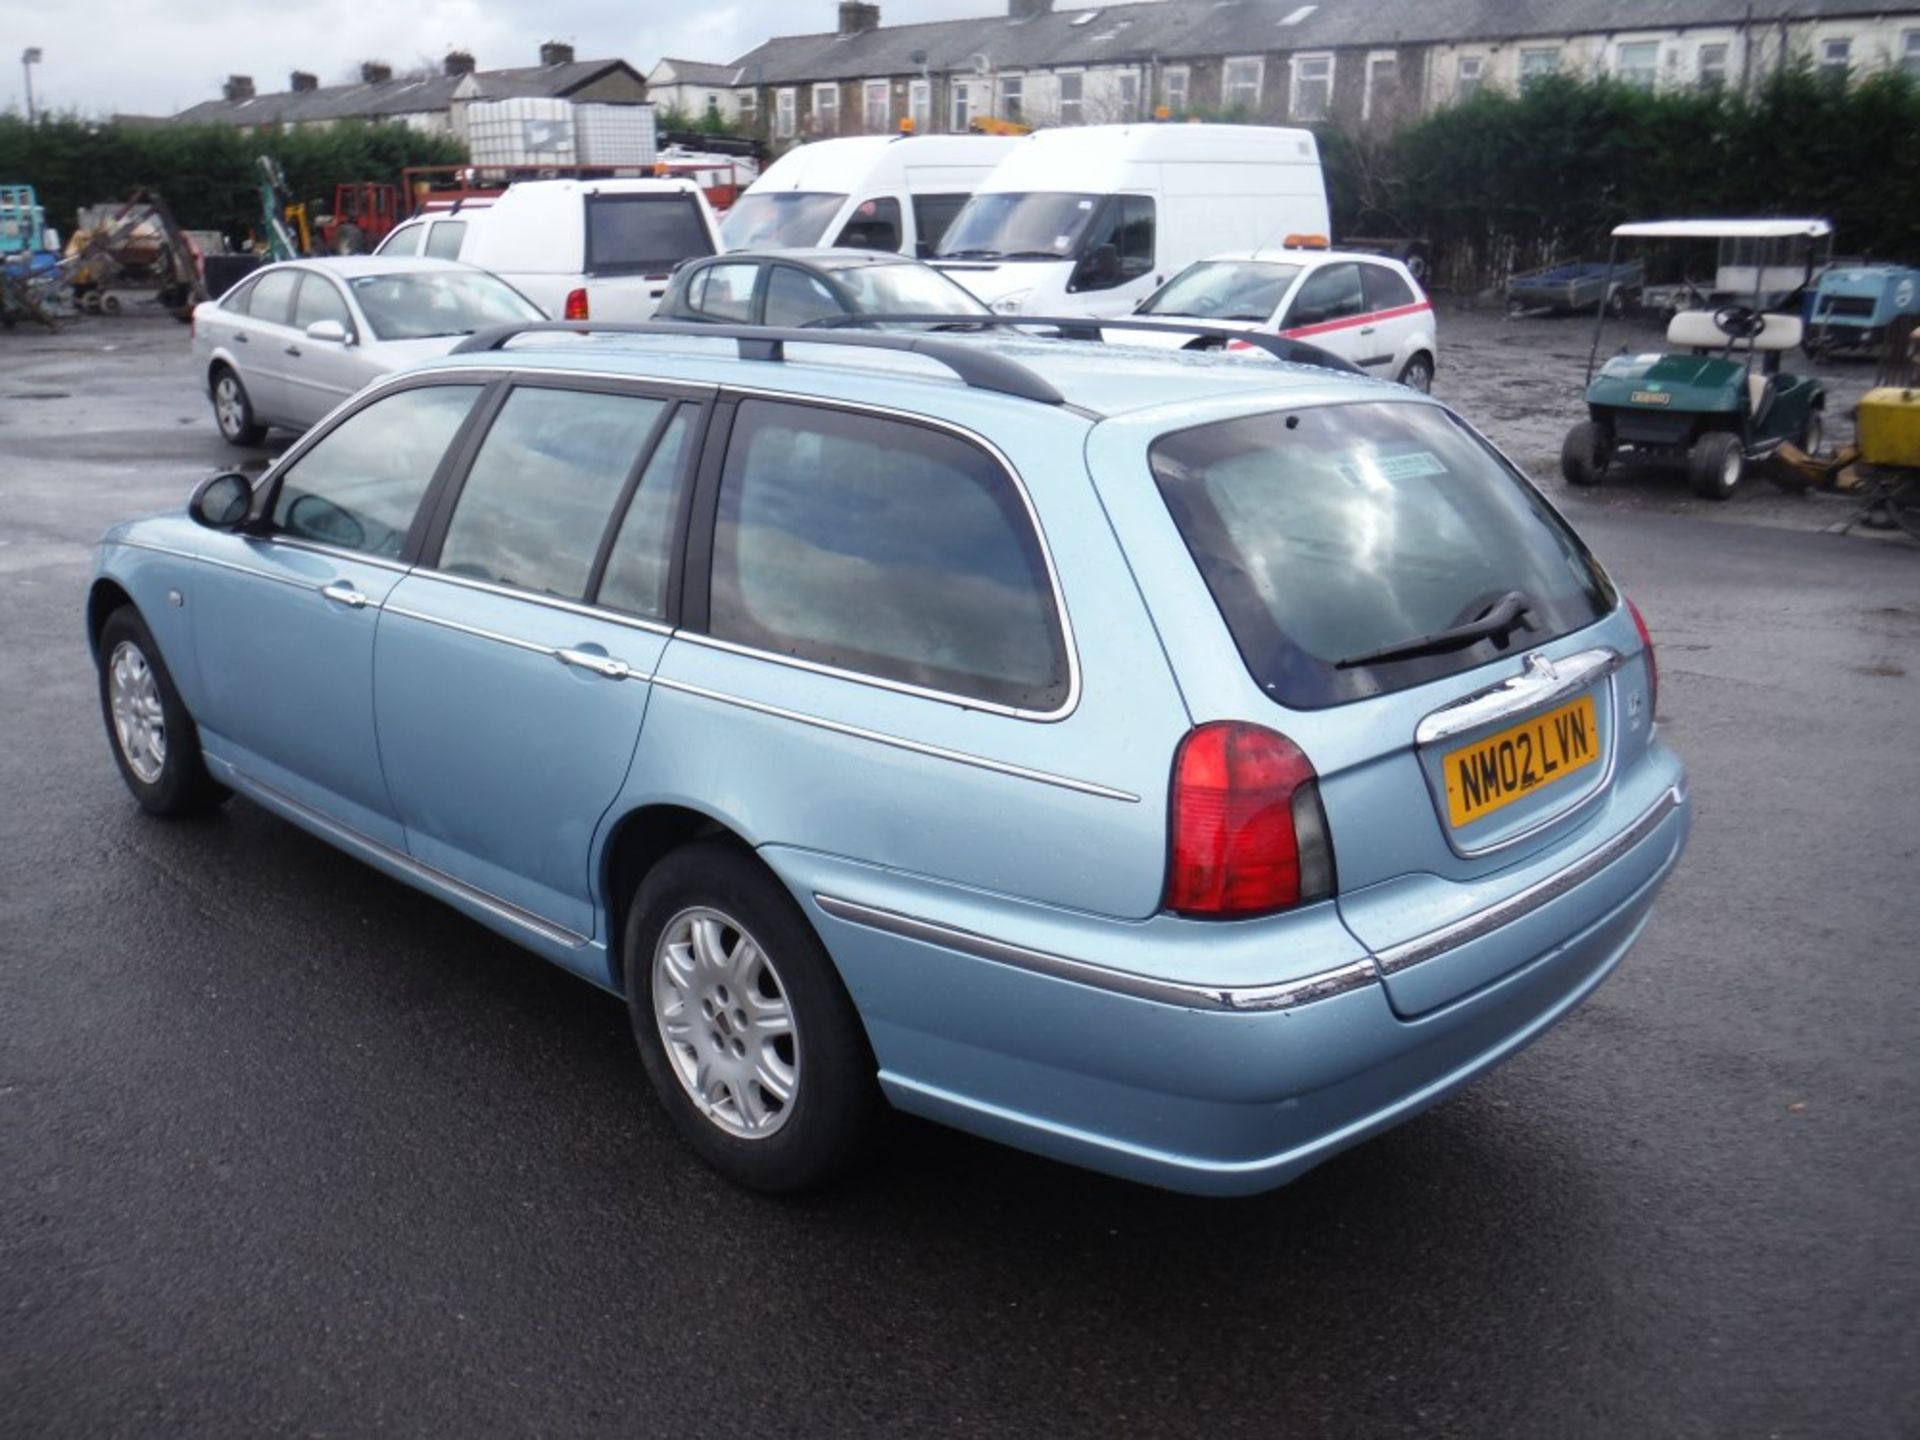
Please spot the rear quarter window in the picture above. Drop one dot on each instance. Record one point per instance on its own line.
(644, 234)
(1333, 531)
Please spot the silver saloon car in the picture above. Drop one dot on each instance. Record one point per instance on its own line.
(293, 340)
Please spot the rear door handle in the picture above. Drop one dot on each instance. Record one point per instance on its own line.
(240, 337)
(1364, 330)
(343, 593)
(599, 664)
(295, 349)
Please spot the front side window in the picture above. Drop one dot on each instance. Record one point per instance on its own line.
(418, 304)
(874, 225)
(404, 241)
(724, 292)
(794, 297)
(1638, 64)
(543, 487)
(271, 298)
(443, 241)
(884, 548)
(826, 109)
(320, 300)
(359, 485)
(644, 234)
(1312, 87)
(1333, 292)
(1330, 533)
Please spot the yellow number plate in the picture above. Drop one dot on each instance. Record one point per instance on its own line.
(1494, 772)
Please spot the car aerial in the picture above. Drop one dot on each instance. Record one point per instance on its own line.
(1367, 309)
(293, 340)
(798, 287)
(1176, 766)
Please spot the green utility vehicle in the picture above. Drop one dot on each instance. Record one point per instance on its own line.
(1703, 400)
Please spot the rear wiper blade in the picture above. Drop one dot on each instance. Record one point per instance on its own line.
(1497, 619)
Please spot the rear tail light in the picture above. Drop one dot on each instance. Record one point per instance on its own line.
(1653, 667)
(576, 306)
(1247, 835)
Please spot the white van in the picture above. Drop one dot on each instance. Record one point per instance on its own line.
(589, 249)
(1092, 219)
(866, 192)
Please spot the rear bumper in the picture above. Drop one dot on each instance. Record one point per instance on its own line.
(1214, 1094)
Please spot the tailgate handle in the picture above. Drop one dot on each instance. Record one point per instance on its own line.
(1540, 682)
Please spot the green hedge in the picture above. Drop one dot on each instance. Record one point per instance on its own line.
(206, 173)
(1506, 180)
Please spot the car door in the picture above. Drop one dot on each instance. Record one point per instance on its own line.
(1329, 308)
(322, 373)
(514, 666)
(285, 618)
(261, 335)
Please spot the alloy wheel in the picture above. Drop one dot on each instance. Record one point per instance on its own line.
(139, 719)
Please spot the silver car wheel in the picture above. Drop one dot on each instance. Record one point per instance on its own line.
(724, 1018)
(229, 405)
(139, 720)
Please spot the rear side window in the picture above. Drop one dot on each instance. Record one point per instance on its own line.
(932, 214)
(443, 240)
(359, 485)
(885, 548)
(643, 234)
(1332, 292)
(543, 487)
(1385, 289)
(1335, 531)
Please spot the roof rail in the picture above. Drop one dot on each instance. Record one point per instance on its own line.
(1086, 327)
(979, 369)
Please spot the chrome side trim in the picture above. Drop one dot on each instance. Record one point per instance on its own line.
(609, 666)
(333, 552)
(1284, 995)
(550, 602)
(938, 752)
(1537, 686)
(419, 870)
(1484, 922)
(155, 549)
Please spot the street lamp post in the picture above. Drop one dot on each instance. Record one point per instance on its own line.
(29, 58)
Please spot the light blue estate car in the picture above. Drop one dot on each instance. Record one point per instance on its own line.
(1179, 765)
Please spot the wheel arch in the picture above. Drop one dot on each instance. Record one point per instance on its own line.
(638, 841)
(104, 597)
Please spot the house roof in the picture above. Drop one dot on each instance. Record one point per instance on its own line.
(386, 98)
(1178, 29)
(694, 72)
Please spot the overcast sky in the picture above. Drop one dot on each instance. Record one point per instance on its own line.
(156, 57)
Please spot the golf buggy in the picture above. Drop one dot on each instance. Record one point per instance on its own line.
(1703, 400)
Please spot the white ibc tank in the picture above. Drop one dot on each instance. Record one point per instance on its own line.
(530, 131)
(614, 134)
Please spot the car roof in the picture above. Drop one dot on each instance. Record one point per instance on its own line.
(1302, 255)
(349, 265)
(1098, 380)
(827, 257)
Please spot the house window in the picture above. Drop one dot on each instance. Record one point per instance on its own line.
(1536, 65)
(1240, 83)
(1176, 88)
(962, 106)
(1071, 112)
(783, 114)
(1471, 75)
(1012, 97)
(878, 110)
(920, 105)
(1637, 64)
(748, 107)
(1910, 52)
(826, 109)
(1129, 95)
(1312, 87)
(713, 105)
(1711, 66)
(1836, 56)
(1383, 87)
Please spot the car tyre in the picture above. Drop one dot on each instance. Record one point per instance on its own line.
(1417, 374)
(1586, 453)
(1716, 464)
(734, 1000)
(155, 742)
(233, 410)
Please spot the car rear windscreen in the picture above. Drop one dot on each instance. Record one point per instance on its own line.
(1332, 533)
(643, 234)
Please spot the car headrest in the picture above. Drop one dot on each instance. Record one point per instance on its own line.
(1695, 330)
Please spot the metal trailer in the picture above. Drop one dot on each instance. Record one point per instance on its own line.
(1854, 308)
(1582, 285)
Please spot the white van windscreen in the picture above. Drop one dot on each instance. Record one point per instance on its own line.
(780, 219)
(1019, 225)
(643, 234)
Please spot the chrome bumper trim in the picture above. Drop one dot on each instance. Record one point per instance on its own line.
(1484, 922)
(1283, 995)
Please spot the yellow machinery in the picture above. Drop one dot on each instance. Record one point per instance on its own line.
(1888, 427)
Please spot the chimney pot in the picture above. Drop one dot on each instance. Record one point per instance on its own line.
(238, 87)
(555, 53)
(375, 73)
(458, 62)
(302, 80)
(857, 17)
